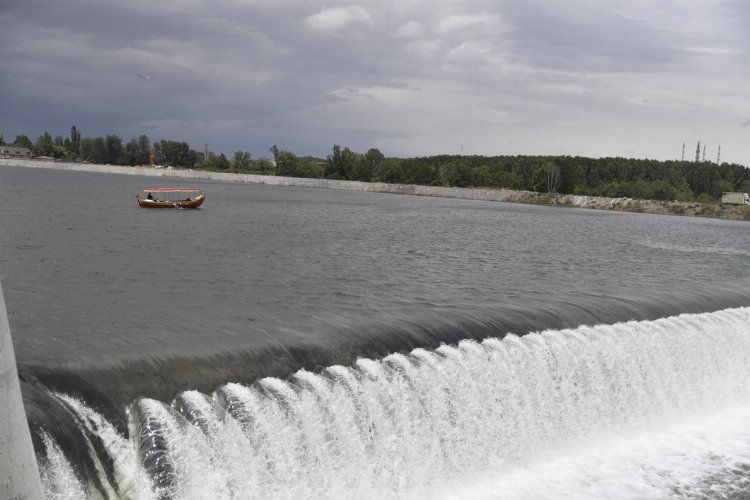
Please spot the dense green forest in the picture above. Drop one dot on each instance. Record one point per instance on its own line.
(702, 181)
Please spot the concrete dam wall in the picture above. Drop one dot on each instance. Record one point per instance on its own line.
(19, 475)
(272, 180)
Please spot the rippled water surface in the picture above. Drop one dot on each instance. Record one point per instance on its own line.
(88, 276)
(357, 345)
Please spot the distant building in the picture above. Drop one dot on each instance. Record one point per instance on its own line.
(13, 152)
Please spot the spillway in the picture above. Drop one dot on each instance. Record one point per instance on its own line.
(638, 409)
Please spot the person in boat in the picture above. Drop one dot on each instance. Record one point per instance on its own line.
(150, 196)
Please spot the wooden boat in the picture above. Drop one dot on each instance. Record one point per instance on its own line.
(171, 198)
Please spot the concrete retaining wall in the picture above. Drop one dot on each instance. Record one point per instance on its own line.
(272, 180)
(19, 475)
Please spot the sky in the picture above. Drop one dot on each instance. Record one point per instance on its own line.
(598, 78)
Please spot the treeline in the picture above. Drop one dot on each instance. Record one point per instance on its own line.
(113, 151)
(614, 177)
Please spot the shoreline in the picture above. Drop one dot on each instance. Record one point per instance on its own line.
(691, 209)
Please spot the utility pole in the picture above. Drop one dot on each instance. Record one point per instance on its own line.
(683, 151)
(718, 156)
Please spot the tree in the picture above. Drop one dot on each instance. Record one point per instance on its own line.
(538, 178)
(23, 141)
(221, 162)
(95, 151)
(422, 173)
(393, 170)
(457, 173)
(718, 187)
(374, 161)
(75, 140)
(274, 151)
(360, 170)
(212, 161)
(137, 151)
(264, 165)
(700, 178)
(241, 160)
(86, 149)
(144, 149)
(114, 153)
(340, 163)
(287, 164)
(60, 149)
(553, 177)
(174, 153)
(44, 145)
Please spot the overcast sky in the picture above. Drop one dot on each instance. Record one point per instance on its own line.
(633, 78)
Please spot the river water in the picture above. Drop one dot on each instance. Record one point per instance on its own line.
(120, 316)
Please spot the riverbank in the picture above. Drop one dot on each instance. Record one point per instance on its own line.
(731, 212)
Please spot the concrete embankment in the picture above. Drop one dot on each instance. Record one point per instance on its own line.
(483, 194)
(19, 476)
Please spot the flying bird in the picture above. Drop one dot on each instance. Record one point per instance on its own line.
(145, 77)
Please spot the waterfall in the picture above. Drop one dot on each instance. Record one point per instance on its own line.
(648, 408)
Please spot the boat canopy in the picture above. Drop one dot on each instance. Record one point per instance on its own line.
(170, 190)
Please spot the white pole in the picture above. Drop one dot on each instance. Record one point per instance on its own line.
(19, 474)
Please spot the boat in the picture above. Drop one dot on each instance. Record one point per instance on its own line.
(171, 198)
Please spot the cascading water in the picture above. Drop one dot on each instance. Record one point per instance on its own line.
(631, 410)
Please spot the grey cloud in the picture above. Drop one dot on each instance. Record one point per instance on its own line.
(244, 75)
(739, 14)
(740, 9)
(588, 38)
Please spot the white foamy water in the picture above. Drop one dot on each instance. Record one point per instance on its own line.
(58, 477)
(651, 409)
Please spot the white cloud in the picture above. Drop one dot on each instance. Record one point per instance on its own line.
(410, 30)
(424, 49)
(454, 23)
(349, 93)
(336, 19)
(469, 53)
(714, 51)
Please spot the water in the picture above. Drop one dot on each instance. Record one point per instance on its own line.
(635, 410)
(115, 307)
